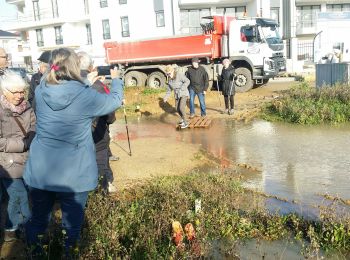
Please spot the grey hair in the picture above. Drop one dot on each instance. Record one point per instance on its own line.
(11, 81)
(85, 60)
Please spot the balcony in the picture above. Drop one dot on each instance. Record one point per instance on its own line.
(45, 17)
(194, 3)
(20, 4)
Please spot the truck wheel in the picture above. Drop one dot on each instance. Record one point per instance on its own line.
(244, 81)
(135, 79)
(156, 80)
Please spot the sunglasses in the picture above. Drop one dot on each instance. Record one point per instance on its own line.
(5, 57)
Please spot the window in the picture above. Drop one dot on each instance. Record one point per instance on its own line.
(103, 3)
(249, 34)
(125, 26)
(191, 20)
(306, 16)
(58, 35)
(275, 14)
(338, 8)
(88, 34)
(39, 37)
(36, 10)
(160, 19)
(123, 2)
(106, 29)
(54, 8)
(231, 11)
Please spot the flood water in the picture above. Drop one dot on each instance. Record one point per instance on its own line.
(296, 163)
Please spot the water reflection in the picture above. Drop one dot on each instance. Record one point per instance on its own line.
(298, 163)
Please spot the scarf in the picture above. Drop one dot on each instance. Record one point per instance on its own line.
(15, 109)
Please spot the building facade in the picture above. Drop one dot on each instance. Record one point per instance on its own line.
(87, 24)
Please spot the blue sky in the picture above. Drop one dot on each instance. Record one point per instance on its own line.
(7, 13)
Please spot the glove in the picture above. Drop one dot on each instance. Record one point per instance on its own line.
(28, 140)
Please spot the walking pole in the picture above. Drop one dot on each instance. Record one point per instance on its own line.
(217, 85)
(218, 88)
(127, 129)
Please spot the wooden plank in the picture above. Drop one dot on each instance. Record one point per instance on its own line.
(198, 123)
(192, 122)
(208, 123)
(204, 122)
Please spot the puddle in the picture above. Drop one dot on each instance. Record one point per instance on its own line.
(296, 163)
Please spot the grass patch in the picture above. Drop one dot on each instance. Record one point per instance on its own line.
(153, 91)
(137, 224)
(308, 105)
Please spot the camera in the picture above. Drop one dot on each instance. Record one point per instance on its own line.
(104, 70)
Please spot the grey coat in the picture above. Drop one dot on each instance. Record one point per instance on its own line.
(179, 85)
(13, 144)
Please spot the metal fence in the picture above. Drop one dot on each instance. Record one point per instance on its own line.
(305, 51)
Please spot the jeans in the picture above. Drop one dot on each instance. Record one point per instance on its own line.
(180, 105)
(201, 98)
(72, 207)
(17, 208)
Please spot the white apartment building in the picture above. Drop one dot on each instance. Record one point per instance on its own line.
(87, 24)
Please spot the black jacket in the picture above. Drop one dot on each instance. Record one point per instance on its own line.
(34, 82)
(199, 80)
(100, 125)
(227, 78)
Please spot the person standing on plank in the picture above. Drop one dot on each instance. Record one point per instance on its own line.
(199, 83)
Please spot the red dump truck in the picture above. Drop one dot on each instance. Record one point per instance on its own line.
(252, 44)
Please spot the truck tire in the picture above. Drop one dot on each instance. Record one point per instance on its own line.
(244, 81)
(135, 79)
(156, 80)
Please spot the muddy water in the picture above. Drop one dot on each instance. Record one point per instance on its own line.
(296, 163)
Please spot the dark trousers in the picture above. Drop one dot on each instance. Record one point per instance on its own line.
(72, 207)
(180, 104)
(229, 102)
(104, 170)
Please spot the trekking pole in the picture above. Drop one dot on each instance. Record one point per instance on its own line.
(127, 129)
(218, 88)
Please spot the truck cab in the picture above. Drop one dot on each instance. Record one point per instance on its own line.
(256, 50)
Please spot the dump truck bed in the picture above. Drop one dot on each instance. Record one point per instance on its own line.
(165, 49)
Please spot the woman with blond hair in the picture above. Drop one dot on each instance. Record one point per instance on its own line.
(179, 83)
(62, 159)
(17, 126)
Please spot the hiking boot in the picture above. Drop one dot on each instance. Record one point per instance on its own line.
(231, 112)
(184, 125)
(113, 158)
(192, 116)
(10, 236)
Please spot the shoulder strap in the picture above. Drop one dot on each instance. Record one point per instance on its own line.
(20, 126)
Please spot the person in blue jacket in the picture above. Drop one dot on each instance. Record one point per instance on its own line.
(62, 158)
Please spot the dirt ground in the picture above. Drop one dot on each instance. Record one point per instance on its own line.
(159, 155)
